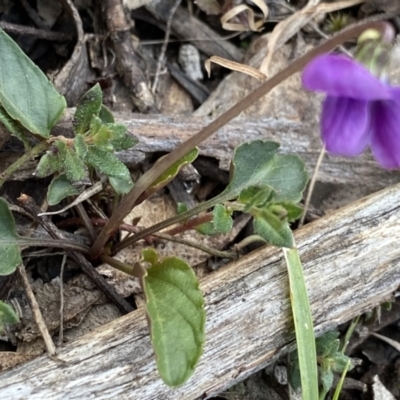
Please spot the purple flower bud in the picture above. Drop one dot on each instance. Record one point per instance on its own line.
(359, 109)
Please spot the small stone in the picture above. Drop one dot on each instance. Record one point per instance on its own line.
(189, 59)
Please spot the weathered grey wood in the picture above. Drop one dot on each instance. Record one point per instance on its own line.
(351, 263)
(158, 133)
(188, 27)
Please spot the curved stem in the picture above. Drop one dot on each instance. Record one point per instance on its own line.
(168, 222)
(128, 202)
(124, 267)
(46, 242)
(198, 246)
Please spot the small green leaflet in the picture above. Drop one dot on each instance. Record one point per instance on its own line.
(107, 163)
(60, 188)
(175, 307)
(173, 170)
(222, 222)
(7, 315)
(89, 105)
(25, 92)
(9, 250)
(73, 166)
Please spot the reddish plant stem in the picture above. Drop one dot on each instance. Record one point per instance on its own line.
(191, 224)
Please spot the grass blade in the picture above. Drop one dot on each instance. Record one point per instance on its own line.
(303, 325)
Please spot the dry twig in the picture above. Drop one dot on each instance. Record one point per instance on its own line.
(51, 348)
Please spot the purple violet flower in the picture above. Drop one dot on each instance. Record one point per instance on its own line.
(359, 110)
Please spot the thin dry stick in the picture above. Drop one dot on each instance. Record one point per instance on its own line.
(86, 221)
(312, 184)
(61, 334)
(164, 46)
(51, 348)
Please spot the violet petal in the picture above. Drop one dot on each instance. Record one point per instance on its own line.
(345, 125)
(339, 75)
(385, 127)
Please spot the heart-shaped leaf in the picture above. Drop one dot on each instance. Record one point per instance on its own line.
(175, 307)
(25, 92)
(9, 250)
(256, 164)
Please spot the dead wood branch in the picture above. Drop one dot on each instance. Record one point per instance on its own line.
(187, 26)
(127, 59)
(351, 263)
(158, 133)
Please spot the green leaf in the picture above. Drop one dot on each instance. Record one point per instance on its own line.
(106, 115)
(13, 127)
(73, 167)
(327, 344)
(273, 231)
(288, 177)
(107, 163)
(102, 137)
(120, 186)
(25, 92)
(222, 222)
(341, 362)
(88, 105)
(150, 255)
(222, 219)
(7, 315)
(173, 170)
(250, 164)
(294, 376)
(48, 165)
(326, 376)
(120, 138)
(256, 164)
(303, 323)
(59, 189)
(254, 196)
(293, 211)
(9, 250)
(95, 124)
(181, 208)
(80, 146)
(175, 308)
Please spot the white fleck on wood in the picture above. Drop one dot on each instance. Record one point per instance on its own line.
(351, 263)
